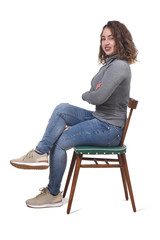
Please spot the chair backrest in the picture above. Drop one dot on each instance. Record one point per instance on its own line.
(132, 105)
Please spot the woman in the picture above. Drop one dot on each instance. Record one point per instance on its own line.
(70, 126)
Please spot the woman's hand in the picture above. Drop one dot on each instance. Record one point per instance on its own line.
(98, 85)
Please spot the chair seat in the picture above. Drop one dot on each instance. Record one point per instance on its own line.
(100, 150)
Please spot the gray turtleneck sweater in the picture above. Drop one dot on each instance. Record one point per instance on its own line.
(112, 98)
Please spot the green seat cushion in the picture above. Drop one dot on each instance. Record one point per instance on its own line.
(99, 150)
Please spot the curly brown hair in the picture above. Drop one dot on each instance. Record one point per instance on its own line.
(125, 47)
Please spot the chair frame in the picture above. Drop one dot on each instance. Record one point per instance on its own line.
(119, 162)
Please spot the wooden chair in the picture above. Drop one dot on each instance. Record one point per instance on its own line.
(119, 162)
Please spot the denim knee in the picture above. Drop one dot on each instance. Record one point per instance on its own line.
(61, 107)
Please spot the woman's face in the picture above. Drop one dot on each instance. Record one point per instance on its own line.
(108, 43)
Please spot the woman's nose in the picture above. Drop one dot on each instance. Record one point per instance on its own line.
(106, 42)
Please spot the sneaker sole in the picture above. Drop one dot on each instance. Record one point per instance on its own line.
(59, 204)
(27, 166)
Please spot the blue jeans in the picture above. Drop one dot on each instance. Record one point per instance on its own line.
(83, 129)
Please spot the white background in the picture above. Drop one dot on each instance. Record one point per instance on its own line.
(48, 55)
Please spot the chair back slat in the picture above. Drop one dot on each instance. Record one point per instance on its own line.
(132, 105)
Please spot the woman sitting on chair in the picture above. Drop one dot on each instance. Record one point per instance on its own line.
(109, 92)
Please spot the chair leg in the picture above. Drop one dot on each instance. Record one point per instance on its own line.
(123, 177)
(128, 181)
(69, 174)
(75, 177)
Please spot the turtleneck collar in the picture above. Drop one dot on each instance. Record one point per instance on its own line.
(110, 59)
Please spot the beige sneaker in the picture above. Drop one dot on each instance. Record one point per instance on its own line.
(45, 199)
(31, 160)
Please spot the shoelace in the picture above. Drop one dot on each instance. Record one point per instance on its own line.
(29, 155)
(42, 191)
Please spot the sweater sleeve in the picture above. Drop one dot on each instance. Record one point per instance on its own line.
(111, 79)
